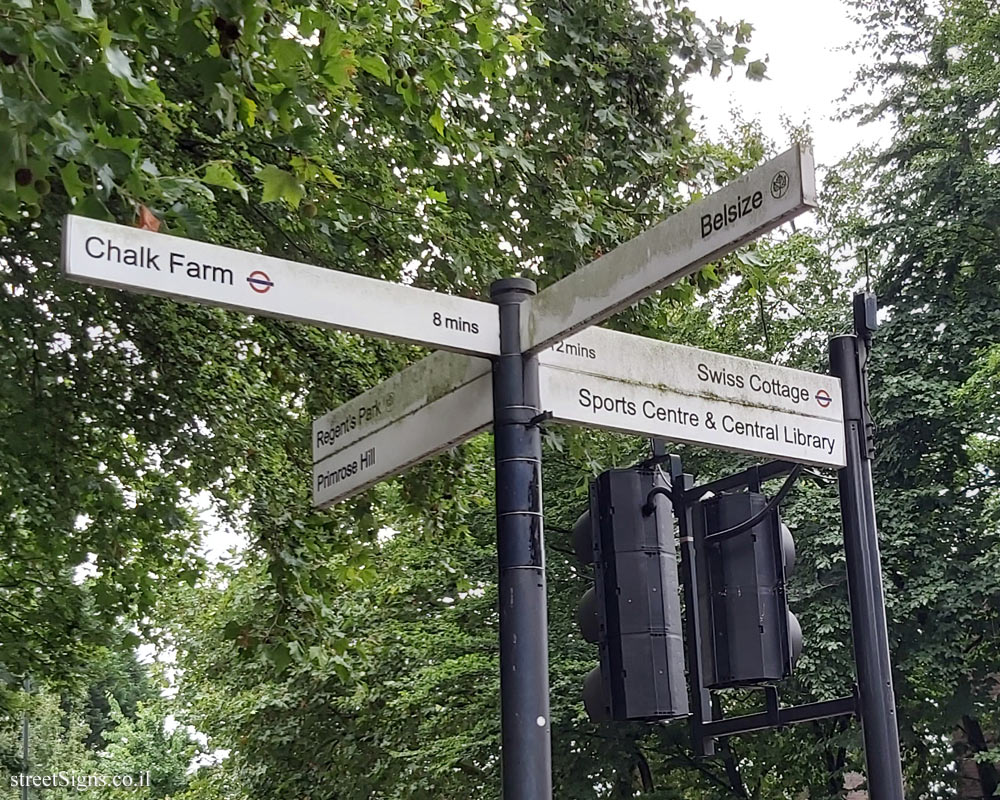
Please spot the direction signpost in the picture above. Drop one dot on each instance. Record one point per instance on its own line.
(182, 269)
(605, 379)
(442, 423)
(545, 360)
(406, 392)
(775, 192)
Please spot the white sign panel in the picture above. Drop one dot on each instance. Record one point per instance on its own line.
(443, 423)
(612, 380)
(184, 269)
(703, 232)
(407, 391)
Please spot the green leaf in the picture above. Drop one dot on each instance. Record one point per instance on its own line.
(716, 47)
(120, 66)
(280, 185)
(756, 70)
(219, 173)
(279, 656)
(287, 53)
(103, 35)
(248, 111)
(437, 121)
(375, 65)
(341, 68)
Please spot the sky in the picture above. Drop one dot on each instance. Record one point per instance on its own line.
(807, 72)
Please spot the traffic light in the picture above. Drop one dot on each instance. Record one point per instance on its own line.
(633, 609)
(748, 637)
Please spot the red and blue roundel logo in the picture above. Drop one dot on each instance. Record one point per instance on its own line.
(259, 281)
(823, 398)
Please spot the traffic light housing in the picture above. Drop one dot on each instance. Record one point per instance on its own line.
(749, 637)
(633, 610)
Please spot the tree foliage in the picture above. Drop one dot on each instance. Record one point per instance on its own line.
(922, 210)
(442, 144)
(353, 653)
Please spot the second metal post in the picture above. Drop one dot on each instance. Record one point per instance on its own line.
(876, 703)
(526, 757)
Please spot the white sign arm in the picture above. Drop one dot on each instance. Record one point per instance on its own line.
(703, 232)
(123, 257)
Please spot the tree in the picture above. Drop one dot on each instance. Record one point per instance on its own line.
(78, 744)
(443, 144)
(921, 209)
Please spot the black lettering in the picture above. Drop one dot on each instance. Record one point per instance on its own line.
(176, 261)
(743, 205)
(221, 275)
(99, 240)
(327, 479)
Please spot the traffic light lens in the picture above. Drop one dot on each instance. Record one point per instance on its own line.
(595, 700)
(794, 637)
(583, 540)
(588, 618)
(787, 549)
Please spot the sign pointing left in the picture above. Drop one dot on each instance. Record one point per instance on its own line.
(123, 257)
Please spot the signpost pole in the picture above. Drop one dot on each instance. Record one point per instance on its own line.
(25, 761)
(876, 703)
(526, 756)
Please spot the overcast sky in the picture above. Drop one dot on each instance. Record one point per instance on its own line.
(807, 71)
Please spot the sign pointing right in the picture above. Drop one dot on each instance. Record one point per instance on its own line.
(741, 211)
(606, 379)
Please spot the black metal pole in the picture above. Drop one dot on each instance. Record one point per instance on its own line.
(701, 698)
(526, 758)
(876, 704)
(25, 756)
